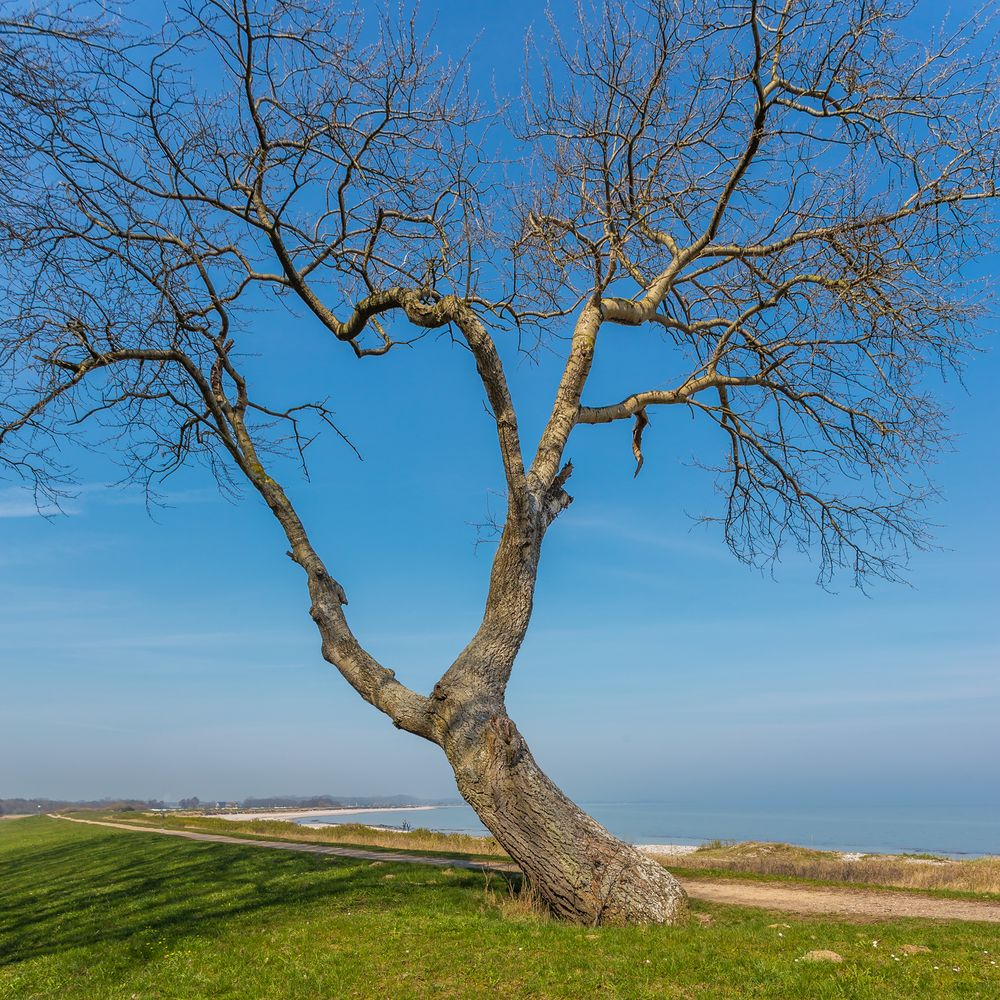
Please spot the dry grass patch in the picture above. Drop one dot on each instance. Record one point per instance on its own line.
(980, 875)
(515, 898)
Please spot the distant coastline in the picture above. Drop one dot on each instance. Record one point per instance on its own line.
(852, 831)
(318, 811)
(956, 833)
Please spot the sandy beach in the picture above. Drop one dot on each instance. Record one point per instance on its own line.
(328, 811)
(290, 814)
(676, 850)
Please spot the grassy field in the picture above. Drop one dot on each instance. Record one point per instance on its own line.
(980, 876)
(88, 912)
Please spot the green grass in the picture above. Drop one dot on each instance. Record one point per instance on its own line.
(457, 846)
(88, 912)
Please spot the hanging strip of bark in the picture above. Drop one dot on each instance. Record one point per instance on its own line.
(641, 421)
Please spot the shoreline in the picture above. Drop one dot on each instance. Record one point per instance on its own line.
(282, 814)
(667, 849)
(296, 814)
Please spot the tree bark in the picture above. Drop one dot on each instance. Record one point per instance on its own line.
(581, 871)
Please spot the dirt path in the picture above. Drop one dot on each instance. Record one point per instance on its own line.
(859, 903)
(865, 903)
(282, 845)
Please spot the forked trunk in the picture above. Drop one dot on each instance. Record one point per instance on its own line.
(580, 870)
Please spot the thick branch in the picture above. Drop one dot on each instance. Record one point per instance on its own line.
(375, 683)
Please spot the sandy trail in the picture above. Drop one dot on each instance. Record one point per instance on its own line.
(857, 903)
(860, 903)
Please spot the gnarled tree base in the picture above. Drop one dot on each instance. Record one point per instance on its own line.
(582, 872)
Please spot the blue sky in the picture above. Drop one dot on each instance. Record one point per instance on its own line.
(173, 655)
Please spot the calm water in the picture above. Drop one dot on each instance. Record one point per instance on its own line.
(958, 831)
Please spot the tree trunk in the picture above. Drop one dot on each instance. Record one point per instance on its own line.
(581, 871)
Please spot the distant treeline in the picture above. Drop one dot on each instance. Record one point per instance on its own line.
(333, 801)
(18, 807)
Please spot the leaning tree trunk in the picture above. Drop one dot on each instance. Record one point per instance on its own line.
(580, 870)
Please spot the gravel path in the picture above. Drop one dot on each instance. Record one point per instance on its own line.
(862, 903)
(859, 903)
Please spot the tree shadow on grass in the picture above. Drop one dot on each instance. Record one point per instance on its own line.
(146, 890)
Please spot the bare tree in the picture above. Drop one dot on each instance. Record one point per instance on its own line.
(782, 196)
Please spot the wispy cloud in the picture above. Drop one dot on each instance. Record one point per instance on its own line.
(19, 501)
(646, 537)
(789, 704)
(163, 498)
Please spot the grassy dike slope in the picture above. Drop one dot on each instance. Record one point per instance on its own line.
(94, 913)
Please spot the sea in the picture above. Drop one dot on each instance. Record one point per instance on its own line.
(953, 831)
